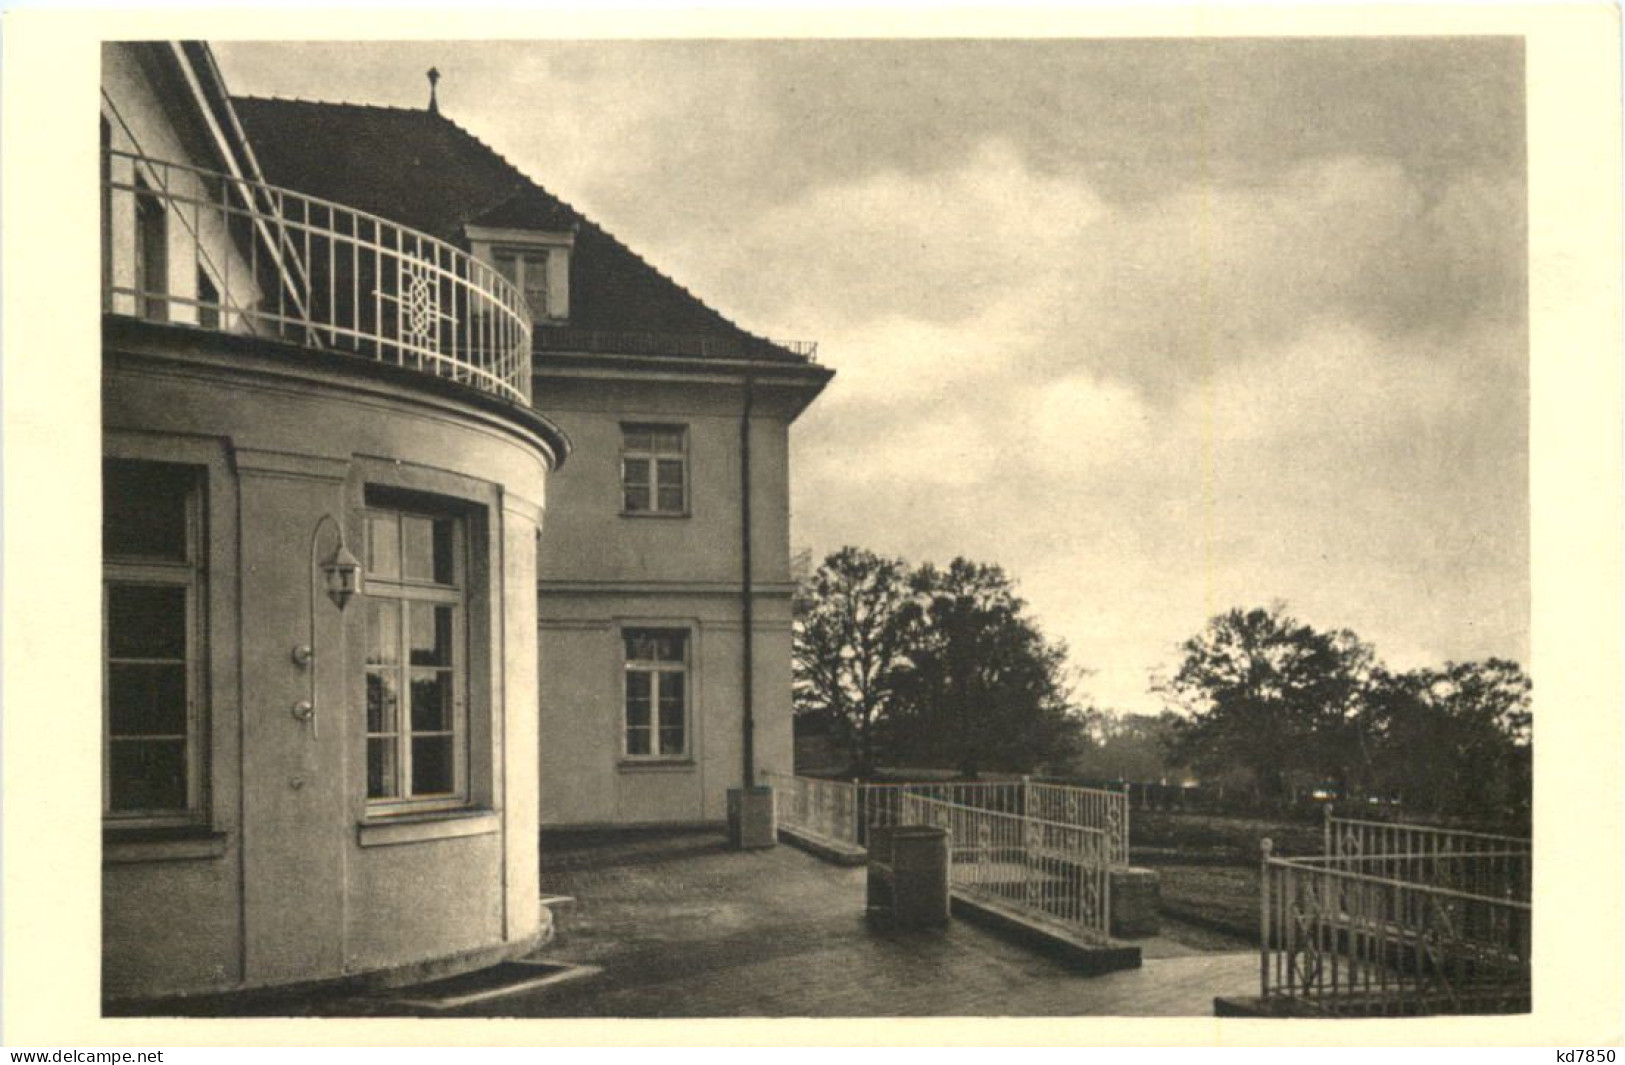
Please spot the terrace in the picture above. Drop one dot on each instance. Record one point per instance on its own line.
(674, 924)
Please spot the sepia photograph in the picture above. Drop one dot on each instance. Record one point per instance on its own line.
(1120, 606)
(753, 527)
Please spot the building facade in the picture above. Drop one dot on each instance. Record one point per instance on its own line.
(349, 670)
(642, 597)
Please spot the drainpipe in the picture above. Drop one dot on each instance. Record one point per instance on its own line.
(746, 607)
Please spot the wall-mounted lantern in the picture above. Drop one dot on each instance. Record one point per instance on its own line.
(343, 574)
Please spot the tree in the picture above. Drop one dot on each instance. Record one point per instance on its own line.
(1268, 693)
(981, 687)
(1456, 740)
(849, 639)
(1126, 746)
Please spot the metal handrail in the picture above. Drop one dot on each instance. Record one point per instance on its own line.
(1311, 865)
(846, 810)
(1046, 871)
(1347, 859)
(302, 268)
(1006, 815)
(1421, 830)
(1418, 929)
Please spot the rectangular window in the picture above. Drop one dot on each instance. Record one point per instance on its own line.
(654, 469)
(527, 271)
(416, 659)
(208, 301)
(151, 641)
(151, 254)
(657, 720)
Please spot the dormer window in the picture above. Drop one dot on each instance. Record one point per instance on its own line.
(537, 263)
(526, 269)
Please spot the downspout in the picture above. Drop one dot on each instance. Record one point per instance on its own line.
(746, 607)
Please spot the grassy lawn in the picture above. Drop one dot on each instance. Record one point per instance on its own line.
(1209, 863)
(1199, 837)
(1220, 897)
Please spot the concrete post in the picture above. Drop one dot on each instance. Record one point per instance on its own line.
(751, 823)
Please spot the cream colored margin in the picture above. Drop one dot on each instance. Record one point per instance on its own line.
(51, 819)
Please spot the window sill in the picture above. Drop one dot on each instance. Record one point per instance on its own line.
(175, 844)
(655, 765)
(419, 828)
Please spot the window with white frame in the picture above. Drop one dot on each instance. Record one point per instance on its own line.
(536, 262)
(416, 598)
(654, 469)
(526, 270)
(657, 693)
(152, 642)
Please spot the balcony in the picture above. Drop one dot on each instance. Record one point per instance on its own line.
(194, 247)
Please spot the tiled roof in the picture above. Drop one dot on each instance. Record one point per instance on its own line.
(420, 169)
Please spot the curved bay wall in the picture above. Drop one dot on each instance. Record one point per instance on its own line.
(287, 875)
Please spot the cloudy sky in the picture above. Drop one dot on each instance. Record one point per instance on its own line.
(1162, 327)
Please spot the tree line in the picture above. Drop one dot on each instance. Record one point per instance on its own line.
(914, 666)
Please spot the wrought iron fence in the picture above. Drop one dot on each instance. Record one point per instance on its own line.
(826, 808)
(1052, 873)
(845, 811)
(881, 805)
(1087, 808)
(197, 247)
(1478, 862)
(1431, 928)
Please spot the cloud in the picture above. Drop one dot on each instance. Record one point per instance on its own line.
(1372, 482)
(934, 248)
(1162, 327)
(1304, 383)
(992, 266)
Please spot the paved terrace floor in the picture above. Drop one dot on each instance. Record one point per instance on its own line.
(679, 926)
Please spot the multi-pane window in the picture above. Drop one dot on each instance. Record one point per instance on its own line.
(151, 254)
(656, 693)
(654, 469)
(151, 632)
(527, 270)
(417, 671)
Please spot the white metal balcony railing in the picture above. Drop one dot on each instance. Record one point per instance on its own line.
(189, 245)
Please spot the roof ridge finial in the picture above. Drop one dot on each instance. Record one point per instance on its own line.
(434, 79)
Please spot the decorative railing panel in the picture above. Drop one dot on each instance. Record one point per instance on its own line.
(1087, 808)
(826, 808)
(818, 805)
(1478, 862)
(188, 245)
(1397, 919)
(1047, 872)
